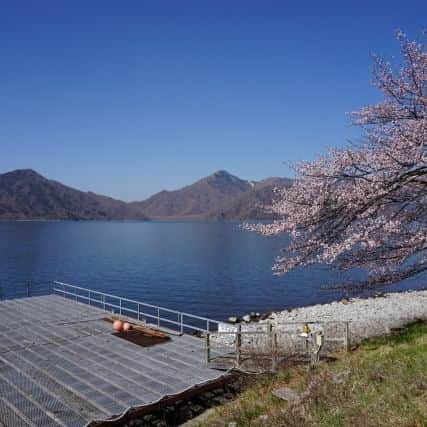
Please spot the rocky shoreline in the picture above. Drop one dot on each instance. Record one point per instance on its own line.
(366, 317)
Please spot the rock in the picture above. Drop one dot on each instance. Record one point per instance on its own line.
(337, 379)
(286, 393)
(208, 395)
(185, 412)
(246, 318)
(266, 316)
(196, 409)
(233, 319)
(379, 295)
(262, 419)
(218, 392)
(219, 400)
(254, 316)
(136, 423)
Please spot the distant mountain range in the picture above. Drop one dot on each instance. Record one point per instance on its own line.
(25, 194)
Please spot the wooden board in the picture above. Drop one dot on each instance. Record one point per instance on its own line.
(142, 329)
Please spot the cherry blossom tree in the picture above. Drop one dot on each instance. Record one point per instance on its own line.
(365, 206)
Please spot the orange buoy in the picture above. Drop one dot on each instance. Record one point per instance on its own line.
(118, 325)
(127, 327)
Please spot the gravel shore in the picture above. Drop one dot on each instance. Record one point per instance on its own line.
(366, 317)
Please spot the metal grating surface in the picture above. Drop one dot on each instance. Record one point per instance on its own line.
(60, 365)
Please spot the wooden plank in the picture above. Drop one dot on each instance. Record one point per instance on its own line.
(145, 330)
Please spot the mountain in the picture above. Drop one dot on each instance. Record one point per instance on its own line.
(24, 194)
(196, 200)
(251, 204)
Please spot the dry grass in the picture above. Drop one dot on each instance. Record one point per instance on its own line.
(382, 383)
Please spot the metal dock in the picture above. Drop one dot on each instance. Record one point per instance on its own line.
(61, 365)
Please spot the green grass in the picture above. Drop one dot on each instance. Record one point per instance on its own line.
(382, 383)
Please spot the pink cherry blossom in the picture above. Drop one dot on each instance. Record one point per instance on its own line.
(365, 206)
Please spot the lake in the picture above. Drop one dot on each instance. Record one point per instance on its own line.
(213, 269)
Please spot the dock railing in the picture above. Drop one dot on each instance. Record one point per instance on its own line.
(235, 342)
(270, 343)
(158, 315)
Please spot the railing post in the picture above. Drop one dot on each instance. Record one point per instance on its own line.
(120, 306)
(75, 292)
(347, 337)
(273, 346)
(181, 328)
(28, 289)
(158, 317)
(238, 345)
(89, 299)
(275, 353)
(208, 348)
(138, 311)
(103, 302)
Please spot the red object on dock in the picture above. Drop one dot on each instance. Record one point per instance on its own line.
(118, 325)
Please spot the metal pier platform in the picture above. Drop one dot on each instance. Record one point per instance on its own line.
(60, 364)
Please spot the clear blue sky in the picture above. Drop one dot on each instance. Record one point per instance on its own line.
(126, 98)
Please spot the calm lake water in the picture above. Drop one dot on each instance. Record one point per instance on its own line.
(214, 269)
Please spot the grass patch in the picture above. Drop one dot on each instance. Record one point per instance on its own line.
(382, 383)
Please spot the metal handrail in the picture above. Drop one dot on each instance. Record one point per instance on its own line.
(65, 289)
(99, 299)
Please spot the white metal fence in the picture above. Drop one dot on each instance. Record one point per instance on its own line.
(156, 315)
